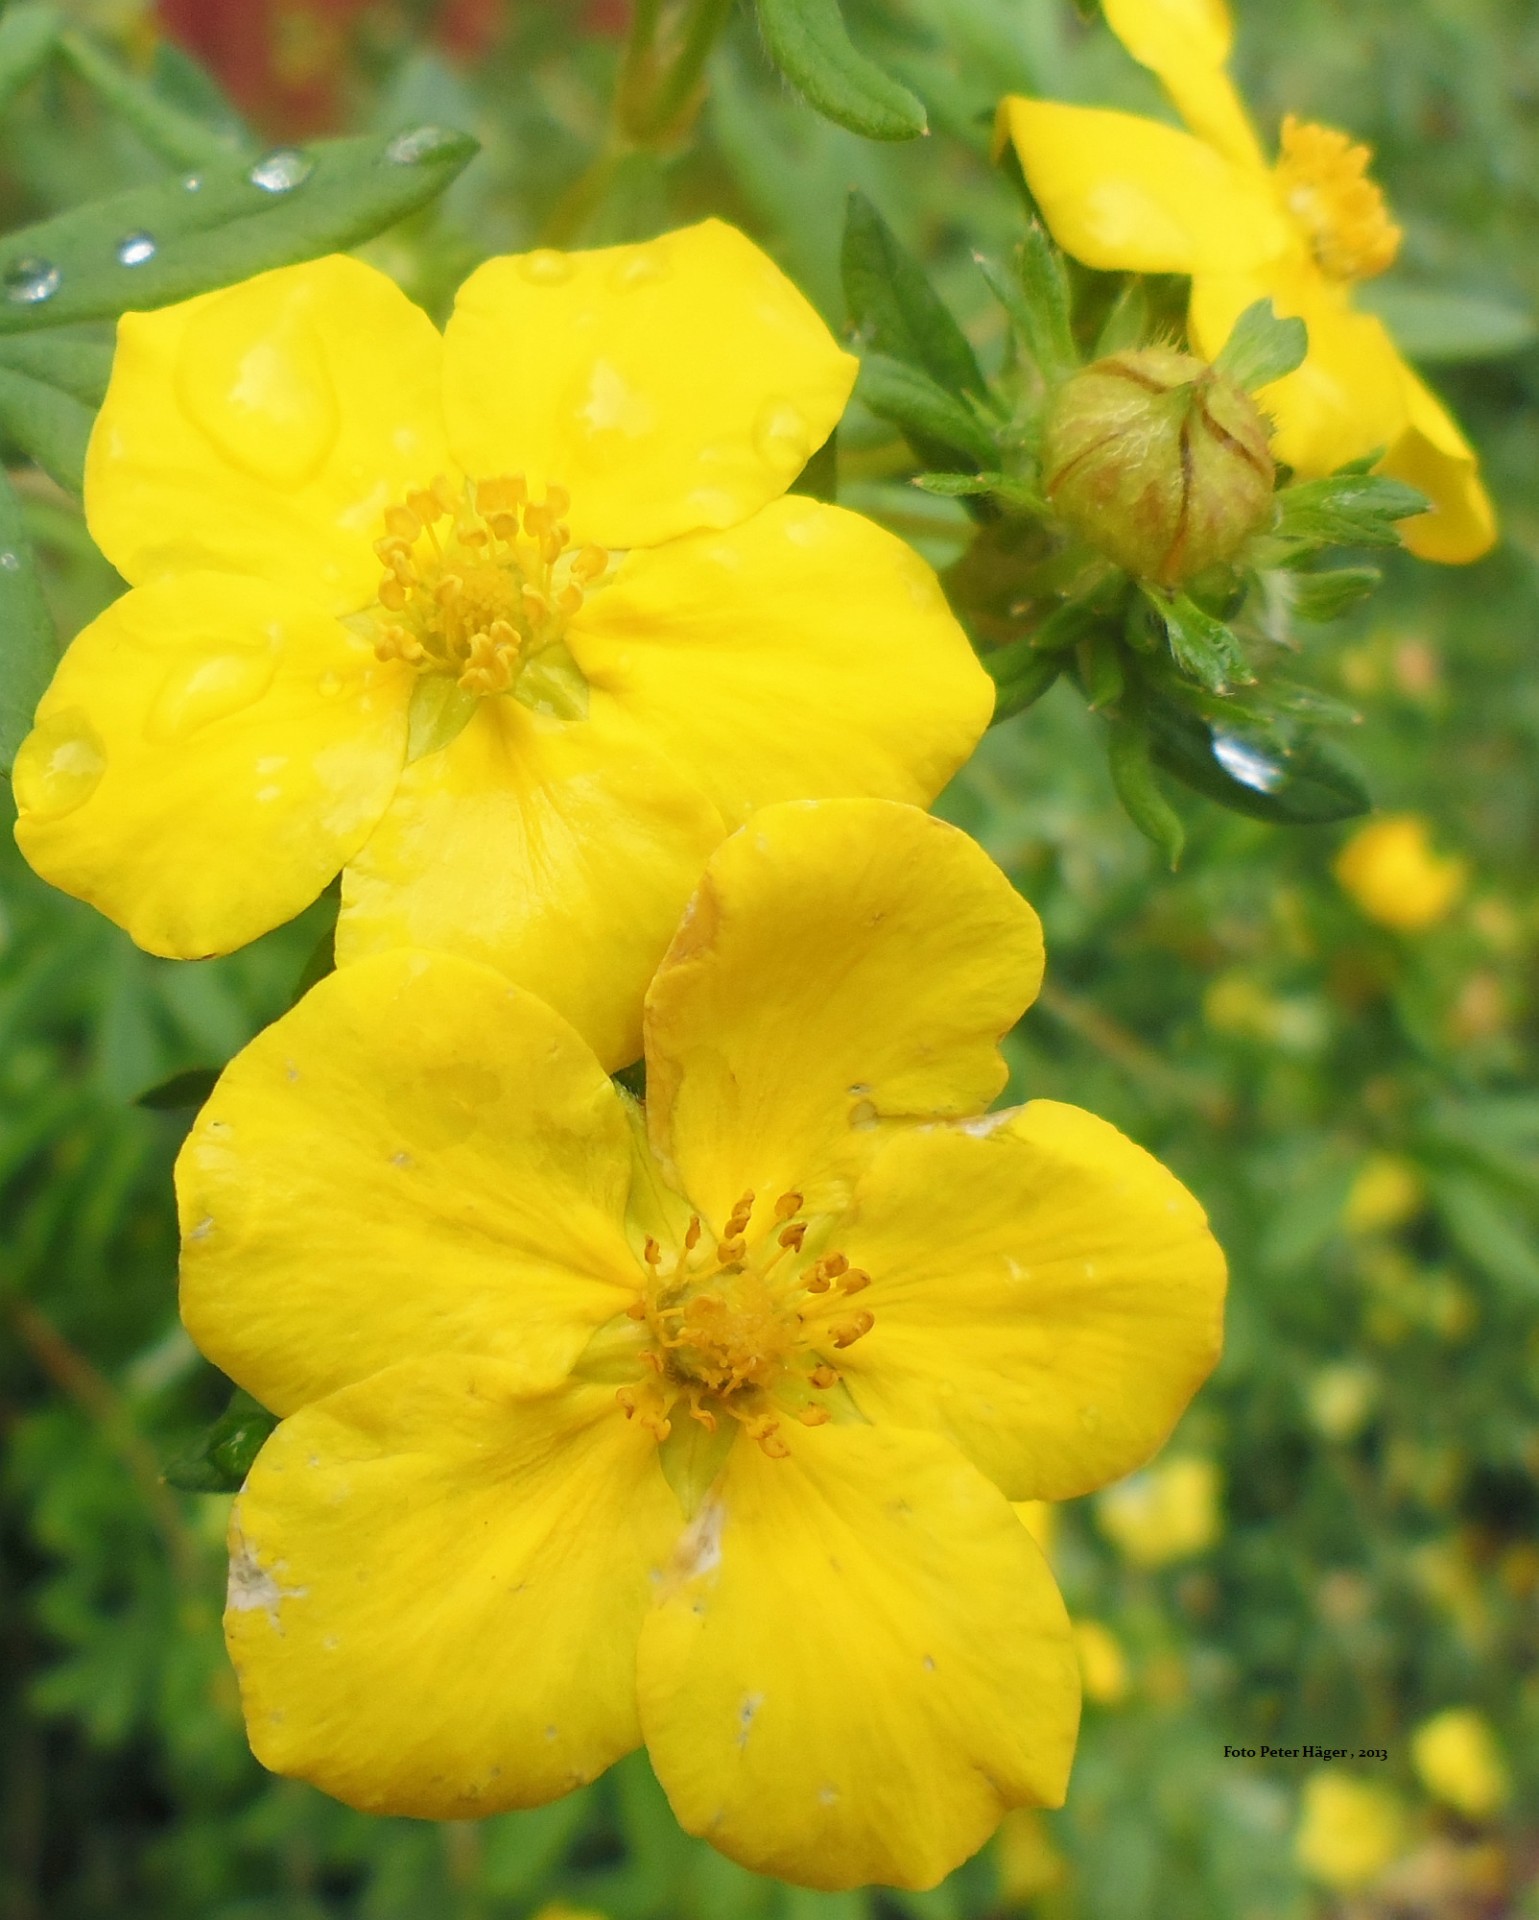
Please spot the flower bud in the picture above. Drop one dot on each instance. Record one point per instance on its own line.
(1158, 460)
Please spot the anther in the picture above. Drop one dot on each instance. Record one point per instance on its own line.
(557, 499)
(793, 1236)
(856, 1329)
(568, 600)
(425, 505)
(704, 1415)
(833, 1264)
(741, 1214)
(637, 1310)
(652, 1253)
(729, 1252)
(402, 522)
(788, 1206)
(538, 520)
(813, 1416)
(855, 1281)
(823, 1375)
(589, 564)
(692, 1233)
(392, 595)
(817, 1281)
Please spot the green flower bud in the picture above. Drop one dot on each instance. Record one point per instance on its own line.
(1158, 460)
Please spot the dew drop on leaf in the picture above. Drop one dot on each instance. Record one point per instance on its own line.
(281, 171)
(417, 144)
(1246, 763)
(29, 281)
(135, 248)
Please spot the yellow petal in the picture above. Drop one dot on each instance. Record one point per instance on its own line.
(419, 1158)
(211, 750)
(842, 961)
(1187, 42)
(1131, 195)
(1347, 399)
(858, 1662)
(677, 384)
(560, 852)
(1433, 456)
(1045, 1295)
(436, 1586)
(265, 428)
(803, 653)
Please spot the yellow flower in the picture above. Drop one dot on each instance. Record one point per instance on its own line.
(1349, 1832)
(698, 1426)
(1393, 876)
(1134, 195)
(1456, 1756)
(1103, 1666)
(1168, 1512)
(1386, 1191)
(511, 624)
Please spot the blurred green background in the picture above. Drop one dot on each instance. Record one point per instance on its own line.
(1342, 1543)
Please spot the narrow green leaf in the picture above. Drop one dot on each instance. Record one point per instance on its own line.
(188, 1089)
(1490, 1234)
(1127, 325)
(1328, 595)
(1346, 509)
(894, 308)
(217, 227)
(186, 83)
(1021, 674)
(1263, 346)
(1438, 325)
(926, 413)
(1302, 781)
(50, 426)
(73, 359)
(220, 1458)
(1132, 772)
(1202, 647)
(177, 137)
(807, 40)
(1100, 669)
(967, 486)
(29, 650)
(27, 36)
(1047, 305)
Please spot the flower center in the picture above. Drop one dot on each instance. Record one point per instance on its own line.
(744, 1330)
(480, 581)
(1325, 186)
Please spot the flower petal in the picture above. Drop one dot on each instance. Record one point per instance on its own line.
(1045, 1295)
(1187, 42)
(561, 853)
(211, 750)
(859, 1663)
(1346, 399)
(418, 1158)
(264, 429)
(436, 1586)
(1433, 456)
(677, 384)
(1132, 195)
(843, 960)
(805, 652)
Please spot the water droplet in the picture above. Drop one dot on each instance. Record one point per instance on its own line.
(782, 436)
(252, 374)
(208, 687)
(59, 766)
(545, 267)
(10, 561)
(28, 281)
(281, 171)
(135, 248)
(418, 144)
(644, 268)
(1242, 760)
(192, 183)
(1090, 1418)
(329, 684)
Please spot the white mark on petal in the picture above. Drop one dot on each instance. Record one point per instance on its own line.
(203, 1229)
(252, 1586)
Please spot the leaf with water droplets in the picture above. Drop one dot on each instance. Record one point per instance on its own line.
(28, 648)
(1287, 774)
(71, 269)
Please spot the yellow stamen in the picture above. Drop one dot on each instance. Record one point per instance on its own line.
(1325, 186)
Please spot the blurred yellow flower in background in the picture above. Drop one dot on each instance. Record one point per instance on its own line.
(1103, 1666)
(510, 624)
(1127, 194)
(699, 1425)
(1025, 1858)
(1457, 1760)
(1349, 1830)
(1168, 1512)
(1393, 876)
(1386, 1191)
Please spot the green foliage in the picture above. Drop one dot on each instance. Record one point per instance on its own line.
(808, 41)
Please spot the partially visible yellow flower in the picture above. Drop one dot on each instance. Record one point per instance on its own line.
(1457, 1758)
(1386, 1191)
(1025, 1858)
(1340, 1397)
(1133, 195)
(511, 624)
(1349, 1832)
(1393, 876)
(1168, 1512)
(1103, 1666)
(698, 1426)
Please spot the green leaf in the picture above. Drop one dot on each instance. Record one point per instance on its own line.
(1127, 324)
(1202, 647)
(967, 486)
(188, 1089)
(1263, 346)
(1021, 674)
(807, 40)
(1447, 327)
(51, 427)
(926, 413)
(221, 230)
(1036, 296)
(1345, 509)
(29, 649)
(181, 138)
(27, 36)
(1100, 669)
(894, 308)
(73, 359)
(1494, 1237)
(220, 1458)
(1328, 595)
(1132, 772)
(1299, 780)
(819, 479)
